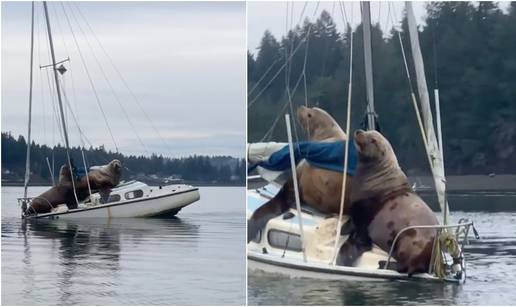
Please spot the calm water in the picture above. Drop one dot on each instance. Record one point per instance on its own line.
(197, 259)
(491, 269)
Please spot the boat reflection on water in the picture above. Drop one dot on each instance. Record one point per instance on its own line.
(79, 251)
(265, 288)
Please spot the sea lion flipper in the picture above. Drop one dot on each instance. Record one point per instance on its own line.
(279, 204)
(357, 243)
(348, 227)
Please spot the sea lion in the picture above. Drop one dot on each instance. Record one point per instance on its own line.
(318, 188)
(62, 193)
(382, 204)
(101, 179)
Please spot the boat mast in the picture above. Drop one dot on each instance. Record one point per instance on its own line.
(27, 161)
(366, 26)
(431, 143)
(61, 110)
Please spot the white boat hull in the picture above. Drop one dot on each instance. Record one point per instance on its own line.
(160, 205)
(296, 268)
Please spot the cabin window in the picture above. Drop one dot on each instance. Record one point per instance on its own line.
(134, 194)
(113, 198)
(284, 240)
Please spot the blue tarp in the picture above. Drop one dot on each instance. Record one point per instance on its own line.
(328, 156)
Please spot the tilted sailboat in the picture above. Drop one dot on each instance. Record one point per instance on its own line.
(303, 242)
(128, 199)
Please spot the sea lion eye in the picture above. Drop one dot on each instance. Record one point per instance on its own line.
(309, 115)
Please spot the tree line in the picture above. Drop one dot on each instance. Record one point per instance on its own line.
(469, 52)
(196, 168)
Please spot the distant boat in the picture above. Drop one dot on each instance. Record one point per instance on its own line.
(128, 199)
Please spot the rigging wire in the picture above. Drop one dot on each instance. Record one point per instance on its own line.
(263, 76)
(346, 147)
(405, 62)
(56, 119)
(414, 101)
(250, 104)
(97, 99)
(286, 104)
(288, 70)
(70, 71)
(283, 108)
(124, 111)
(124, 82)
(82, 136)
(29, 128)
(43, 104)
(58, 91)
(255, 86)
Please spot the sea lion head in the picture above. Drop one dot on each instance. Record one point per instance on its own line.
(318, 124)
(64, 175)
(373, 148)
(115, 166)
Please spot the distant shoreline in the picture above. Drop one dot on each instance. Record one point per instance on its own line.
(453, 183)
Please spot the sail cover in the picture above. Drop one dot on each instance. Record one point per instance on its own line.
(432, 147)
(325, 155)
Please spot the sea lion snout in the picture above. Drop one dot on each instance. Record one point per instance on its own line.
(303, 115)
(359, 133)
(117, 165)
(359, 137)
(361, 142)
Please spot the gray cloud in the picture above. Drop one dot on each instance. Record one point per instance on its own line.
(184, 61)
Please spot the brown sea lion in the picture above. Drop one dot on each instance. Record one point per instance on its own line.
(382, 204)
(62, 193)
(318, 188)
(102, 180)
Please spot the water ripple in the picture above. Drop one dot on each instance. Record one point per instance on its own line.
(191, 260)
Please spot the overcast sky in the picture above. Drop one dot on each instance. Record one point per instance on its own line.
(184, 61)
(272, 15)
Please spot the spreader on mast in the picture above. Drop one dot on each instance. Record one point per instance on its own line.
(58, 90)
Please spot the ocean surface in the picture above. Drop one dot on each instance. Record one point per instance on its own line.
(197, 258)
(491, 269)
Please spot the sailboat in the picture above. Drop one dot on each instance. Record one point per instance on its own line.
(127, 199)
(304, 242)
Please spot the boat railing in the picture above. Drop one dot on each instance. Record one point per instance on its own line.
(461, 228)
(23, 201)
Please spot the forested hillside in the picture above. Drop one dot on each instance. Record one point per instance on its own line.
(201, 169)
(469, 51)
